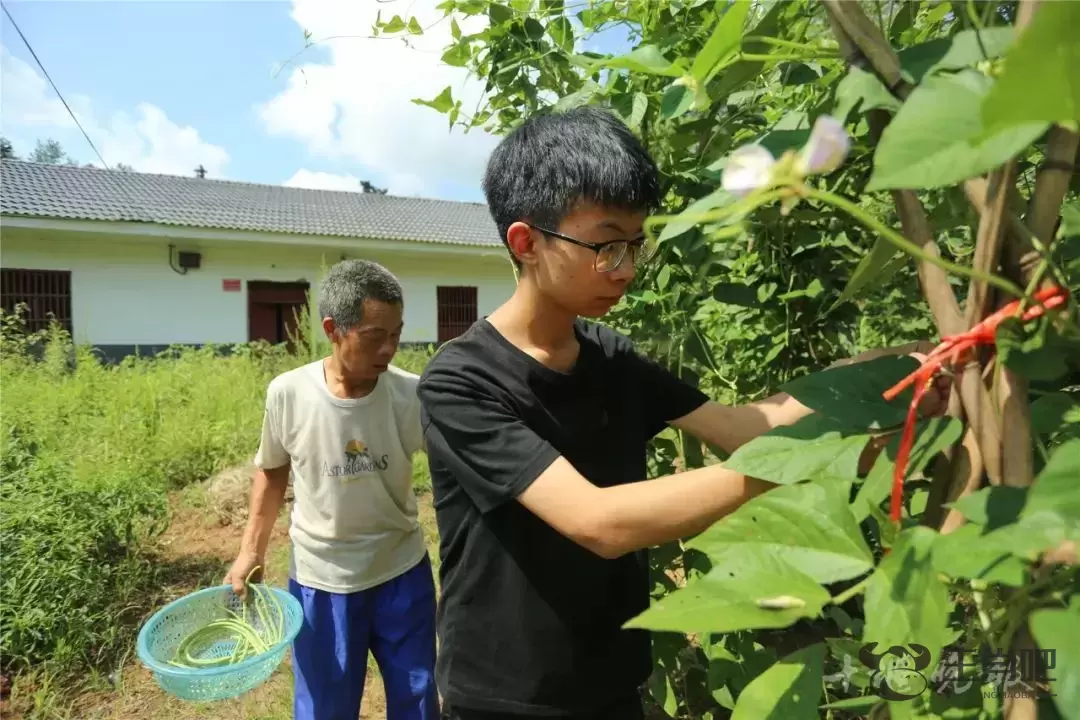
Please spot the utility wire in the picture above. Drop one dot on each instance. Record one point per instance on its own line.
(56, 89)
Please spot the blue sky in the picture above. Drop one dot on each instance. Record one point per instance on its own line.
(164, 85)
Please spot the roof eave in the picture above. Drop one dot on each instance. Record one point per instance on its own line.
(138, 228)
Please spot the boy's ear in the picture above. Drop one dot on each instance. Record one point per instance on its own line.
(519, 238)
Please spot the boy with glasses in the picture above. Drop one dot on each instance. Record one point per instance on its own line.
(536, 423)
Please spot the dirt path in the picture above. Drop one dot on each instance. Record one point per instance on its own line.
(197, 539)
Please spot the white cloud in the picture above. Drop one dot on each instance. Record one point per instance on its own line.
(314, 180)
(145, 139)
(357, 106)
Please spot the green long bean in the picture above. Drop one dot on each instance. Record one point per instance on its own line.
(250, 634)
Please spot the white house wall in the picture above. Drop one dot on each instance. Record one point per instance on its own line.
(124, 292)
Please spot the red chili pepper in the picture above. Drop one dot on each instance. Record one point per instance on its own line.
(949, 351)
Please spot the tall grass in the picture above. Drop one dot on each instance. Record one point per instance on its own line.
(89, 454)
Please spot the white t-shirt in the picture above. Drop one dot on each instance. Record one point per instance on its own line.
(354, 521)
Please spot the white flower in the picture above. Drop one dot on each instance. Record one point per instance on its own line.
(747, 169)
(826, 149)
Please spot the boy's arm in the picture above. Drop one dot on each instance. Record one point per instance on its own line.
(613, 521)
(497, 458)
(730, 427)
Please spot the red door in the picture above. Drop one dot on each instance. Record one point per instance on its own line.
(273, 309)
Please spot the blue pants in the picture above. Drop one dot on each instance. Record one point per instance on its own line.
(395, 621)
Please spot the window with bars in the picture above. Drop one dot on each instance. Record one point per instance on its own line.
(46, 294)
(456, 310)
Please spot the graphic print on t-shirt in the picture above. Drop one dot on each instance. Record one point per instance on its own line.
(358, 460)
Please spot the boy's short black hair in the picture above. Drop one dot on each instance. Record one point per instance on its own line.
(554, 160)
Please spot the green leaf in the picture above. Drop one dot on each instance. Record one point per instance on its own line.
(499, 14)
(455, 29)
(1053, 501)
(992, 507)
(638, 106)
(740, 73)
(677, 99)
(691, 216)
(1041, 81)
(861, 705)
(723, 42)
(533, 29)
(871, 269)
(815, 448)
(778, 141)
(863, 90)
(932, 436)
(852, 394)
(663, 277)
(458, 55)
(579, 98)
(812, 290)
(965, 49)
(789, 689)
(1050, 515)
(395, 25)
(735, 294)
(1032, 351)
(938, 139)
(1057, 630)
(562, 32)
(967, 553)
(414, 27)
(661, 691)
(1070, 219)
(807, 526)
(644, 59)
(730, 597)
(443, 102)
(905, 601)
(1050, 412)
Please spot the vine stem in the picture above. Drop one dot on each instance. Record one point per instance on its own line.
(784, 58)
(744, 206)
(787, 43)
(906, 245)
(851, 591)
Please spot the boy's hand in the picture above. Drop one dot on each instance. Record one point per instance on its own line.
(933, 403)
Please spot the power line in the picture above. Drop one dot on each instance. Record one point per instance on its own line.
(56, 89)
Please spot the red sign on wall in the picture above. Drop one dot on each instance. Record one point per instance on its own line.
(230, 285)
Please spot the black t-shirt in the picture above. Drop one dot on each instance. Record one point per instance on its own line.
(529, 621)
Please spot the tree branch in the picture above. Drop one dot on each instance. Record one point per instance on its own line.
(868, 42)
(1051, 185)
(987, 250)
(1044, 211)
(858, 36)
(966, 478)
(988, 241)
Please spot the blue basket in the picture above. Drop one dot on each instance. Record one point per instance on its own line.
(163, 633)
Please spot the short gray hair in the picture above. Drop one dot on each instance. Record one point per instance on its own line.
(348, 284)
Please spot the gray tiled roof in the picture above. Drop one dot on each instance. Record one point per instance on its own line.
(84, 193)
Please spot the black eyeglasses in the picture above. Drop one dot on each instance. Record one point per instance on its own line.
(610, 254)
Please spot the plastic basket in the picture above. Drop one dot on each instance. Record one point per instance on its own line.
(167, 628)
